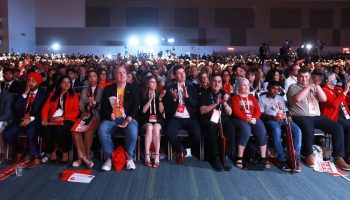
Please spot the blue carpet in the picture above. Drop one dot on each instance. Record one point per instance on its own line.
(193, 180)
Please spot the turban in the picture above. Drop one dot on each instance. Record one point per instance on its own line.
(36, 76)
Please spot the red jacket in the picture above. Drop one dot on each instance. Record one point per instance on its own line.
(335, 97)
(71, 110)
(238, 108)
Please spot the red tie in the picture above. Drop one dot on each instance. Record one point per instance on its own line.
(30, 102)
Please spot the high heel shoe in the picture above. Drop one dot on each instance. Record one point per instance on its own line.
(76, 163)
(88, 163)
(156, 163)
(148, 161)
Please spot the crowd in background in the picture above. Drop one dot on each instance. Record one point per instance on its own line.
(168, 94)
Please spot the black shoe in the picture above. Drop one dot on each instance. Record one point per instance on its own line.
(217, 165)
(228, 165)
(283, 166)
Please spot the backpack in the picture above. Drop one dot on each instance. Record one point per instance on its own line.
(251, 157)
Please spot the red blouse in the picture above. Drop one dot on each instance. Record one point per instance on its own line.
(240, 105)
(335, 97)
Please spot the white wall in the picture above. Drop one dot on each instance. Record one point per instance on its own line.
(62, 13)
(21, 25)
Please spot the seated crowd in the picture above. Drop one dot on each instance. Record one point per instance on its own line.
(49, 96)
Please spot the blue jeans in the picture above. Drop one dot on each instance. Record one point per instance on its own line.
(275, 128)
(108, 127)
(246, 130)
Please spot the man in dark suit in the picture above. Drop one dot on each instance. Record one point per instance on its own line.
(5, 116)
(120, 103)
(181, 112)
(77, 86)
(11, 85)
(27, 119)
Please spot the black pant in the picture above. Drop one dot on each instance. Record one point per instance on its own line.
(307, 126)
(212, 138)
(61, 134)
(346, 126)
(175, 124)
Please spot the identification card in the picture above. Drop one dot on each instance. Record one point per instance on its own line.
(180, 108)
(312, 108)
(215, 116)
(153, 118)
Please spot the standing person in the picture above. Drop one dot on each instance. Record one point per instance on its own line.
(58, 115)
(273, 110)
(292, 76)
(214, 104)
(89, 106)
(27, 118)
(246, 113)
(151, 118)
(336, 108)
(180, 111)
(120, 105)
(303, 98)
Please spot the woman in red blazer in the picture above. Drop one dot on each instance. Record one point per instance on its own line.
(336, 108)
(59, 113)
(246, 117)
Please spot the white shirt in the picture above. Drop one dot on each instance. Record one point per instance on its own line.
(185, 114)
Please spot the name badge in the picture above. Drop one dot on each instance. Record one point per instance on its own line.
(180, 108)
(312, 108)
(152, 118)
(215, 116)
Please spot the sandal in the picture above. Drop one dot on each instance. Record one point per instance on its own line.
(88, 162)
(156, 163)
(148, 161)
(239, 162)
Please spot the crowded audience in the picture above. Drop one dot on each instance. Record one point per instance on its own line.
(50, 96)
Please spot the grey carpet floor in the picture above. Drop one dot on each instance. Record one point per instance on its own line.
(193, 180)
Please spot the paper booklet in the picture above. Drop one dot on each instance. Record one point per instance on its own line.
(58, 113)
(81, 178)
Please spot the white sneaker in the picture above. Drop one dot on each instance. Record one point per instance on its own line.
(130, 165)
(107, 165)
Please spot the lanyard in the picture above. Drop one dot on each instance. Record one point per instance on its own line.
(246, 109)
(154, 106)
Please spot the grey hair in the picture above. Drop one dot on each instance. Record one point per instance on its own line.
(239, 83)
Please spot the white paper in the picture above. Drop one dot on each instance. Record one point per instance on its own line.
(188, 152)
(215, 116)
(325, 166)
(112, 100)
(58, 113)
(80, 178)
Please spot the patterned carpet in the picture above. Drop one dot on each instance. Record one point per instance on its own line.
(194, 180)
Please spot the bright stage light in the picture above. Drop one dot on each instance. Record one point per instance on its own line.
(171, 40)
(309, 46)
(133, 41)
(55, 46)
(109, 56)
(151, 40)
